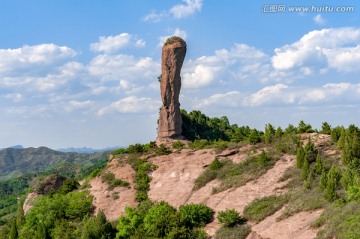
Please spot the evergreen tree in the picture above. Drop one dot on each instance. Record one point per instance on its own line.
(310, 151)
(323, 180)
(332, 184)
(309, 179)
(304, 128)
(300, 157)
(325, 128)
(279, 132)
(305, 170)
(318, 165)
(254, 137)
(269, 133)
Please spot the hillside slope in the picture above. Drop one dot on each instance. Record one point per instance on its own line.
(174, 179)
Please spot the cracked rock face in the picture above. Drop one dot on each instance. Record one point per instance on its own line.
(173, 54)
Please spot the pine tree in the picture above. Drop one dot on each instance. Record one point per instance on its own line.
(323, 180)
(332, 184)
(300, 157)
(318, 165)
(325, 128)
(309, 180)
(279, 132)
(310, 151)
(305, 170)
(269, 133)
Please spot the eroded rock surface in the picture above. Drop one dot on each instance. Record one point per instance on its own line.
(173, 55)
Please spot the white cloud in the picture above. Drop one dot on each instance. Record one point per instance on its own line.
(202, 75)
(325, 93)
(319, 20)
(268, 94)
(184, 10)
(131, 104)
(229, 99)
(111, 44)
(124, 67)
(240, 63)
(75, 105)
(32, 59)
(336, 48)
(16, 97)
(179, 11)
(155, 17)
(177, 32)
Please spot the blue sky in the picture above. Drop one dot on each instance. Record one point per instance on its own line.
(84, 73)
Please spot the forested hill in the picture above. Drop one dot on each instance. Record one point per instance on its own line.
(15, 161)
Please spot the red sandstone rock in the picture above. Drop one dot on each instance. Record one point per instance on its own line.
(173, 54)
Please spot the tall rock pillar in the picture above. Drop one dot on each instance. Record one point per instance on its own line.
(173, 54)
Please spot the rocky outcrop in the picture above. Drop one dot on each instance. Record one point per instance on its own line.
(173, 54)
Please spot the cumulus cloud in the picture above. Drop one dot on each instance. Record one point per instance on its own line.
(131, 104)
(110, 44)
(242, 62)
(268, 94)
(284, 94)
(336, 48)
(229, 99)
(184, 10)
(75, 105)
(124, 67)
(33, 59)
(179, 11)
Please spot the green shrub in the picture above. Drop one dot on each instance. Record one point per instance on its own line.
(230, 218)
(263, 159)
(261, 208)
(160, 219)
(162, 150)
(113, 182)
(177, 145)
(68, 186)
(238, 232)
(288, 143)
(119, 151)
(216, 164)
(199, 144)
(195, 215)
(353, 193)
(142, 168)
(136, 149)
(95, 173)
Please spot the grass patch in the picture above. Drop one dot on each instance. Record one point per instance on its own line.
(142, 179)
(235, 175)
(341, 221)
(113, 182)
(239, 232)
(302, 199)
(261, 208)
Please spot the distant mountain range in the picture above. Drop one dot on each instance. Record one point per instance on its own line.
(83, 150)
(16, 161)
(86, 150)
